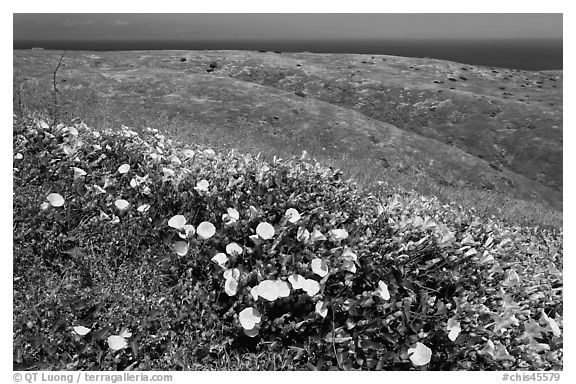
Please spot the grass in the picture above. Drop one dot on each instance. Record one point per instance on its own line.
(225, 111)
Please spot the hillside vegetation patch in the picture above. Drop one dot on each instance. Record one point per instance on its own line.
(135, 252)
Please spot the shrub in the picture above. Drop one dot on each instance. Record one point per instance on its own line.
(152, 255)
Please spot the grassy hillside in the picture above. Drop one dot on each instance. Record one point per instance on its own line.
(134, 251)
(375, 119)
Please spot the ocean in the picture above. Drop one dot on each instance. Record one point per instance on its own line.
(523, 54)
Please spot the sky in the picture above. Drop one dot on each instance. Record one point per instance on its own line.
(249, 26)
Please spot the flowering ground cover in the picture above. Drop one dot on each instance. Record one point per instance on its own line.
(133, 251)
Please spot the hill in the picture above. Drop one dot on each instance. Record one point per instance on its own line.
(378, 118)
(134, 251)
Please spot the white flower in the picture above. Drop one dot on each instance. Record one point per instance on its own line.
(202, 186)
(206, 230)
(311, 287)
(121, 204)
(319, 267)
(55, 200)
(338, 234)
(268, 289)
(189, 230)
(283, 288)
(181, 248)
(453, 328)
(220, 259)
(80, 330)
(293, 215)
(297, 281)
(254, 293)
(265, 231)
(177, 222)
(249, 318)
(116, 342)
(124, 168)
(420, 355)
(233, 248)
(231, 286)
(231, 216)
(232, 274)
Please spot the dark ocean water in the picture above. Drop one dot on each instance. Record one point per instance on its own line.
(517, 54)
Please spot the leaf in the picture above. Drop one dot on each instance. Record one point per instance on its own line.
(468, 240)
(265, 231)
(508, 320)
(80, 330)
(532, 330)
(501, 353)
(206, 230)
(420, 355)
(55, 200)
(177, 222)
(316, 236)
(382, 290)
(349, 266)
(144, 208)
(552, 324)
(78, 173)
(175, 161)
(302, 235)
(348, 255)
(488, 350)
(511, 278)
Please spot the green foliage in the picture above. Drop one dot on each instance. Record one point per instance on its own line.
(390, 281)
